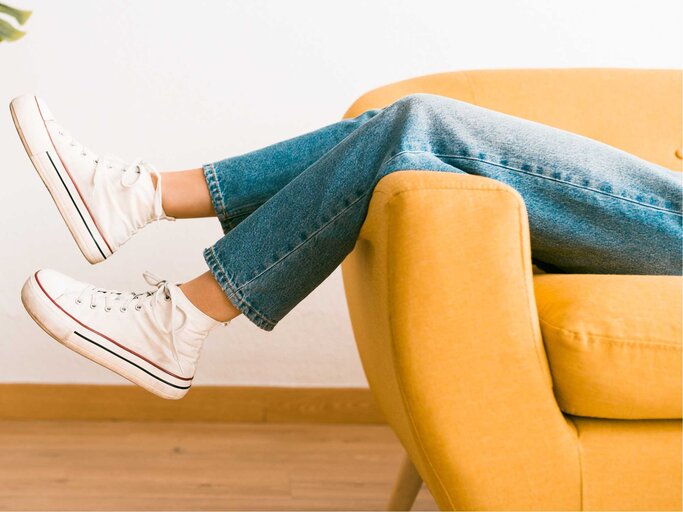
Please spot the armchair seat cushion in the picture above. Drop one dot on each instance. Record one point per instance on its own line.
(613, 343)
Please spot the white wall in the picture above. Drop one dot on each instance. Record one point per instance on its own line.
(183, 83)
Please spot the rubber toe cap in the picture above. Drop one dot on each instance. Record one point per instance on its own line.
(55, 283)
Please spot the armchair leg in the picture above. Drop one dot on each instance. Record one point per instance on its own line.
(406, 487)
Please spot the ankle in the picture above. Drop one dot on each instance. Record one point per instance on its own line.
(209, 298)
(186, 194)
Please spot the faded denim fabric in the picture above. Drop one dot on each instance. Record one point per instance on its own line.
(292, 211)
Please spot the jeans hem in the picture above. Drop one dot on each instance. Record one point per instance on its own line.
(235, 294)
(212, 182)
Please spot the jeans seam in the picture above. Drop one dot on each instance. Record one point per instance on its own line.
(217, 196)
(550, 178)
(236, 291)
(521, 171)
(301, 244)
(403, 152)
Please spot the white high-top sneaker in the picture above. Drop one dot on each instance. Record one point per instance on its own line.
(103, 200)
(152, 339)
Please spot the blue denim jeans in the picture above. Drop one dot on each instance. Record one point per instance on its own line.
(292, 211)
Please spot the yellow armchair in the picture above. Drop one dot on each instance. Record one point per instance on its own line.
(512, 390)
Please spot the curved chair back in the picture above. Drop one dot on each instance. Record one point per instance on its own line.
(637, 110)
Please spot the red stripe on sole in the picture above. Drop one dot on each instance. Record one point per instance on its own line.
(105, 336)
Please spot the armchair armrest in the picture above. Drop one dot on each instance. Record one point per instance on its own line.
(439, 288)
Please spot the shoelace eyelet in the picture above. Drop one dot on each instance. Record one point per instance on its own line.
(93, 306)
(123, 310)
(138, 308)
(107, 309)
(78, 301)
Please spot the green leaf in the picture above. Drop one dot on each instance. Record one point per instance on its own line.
(9, 33)
(19, 15)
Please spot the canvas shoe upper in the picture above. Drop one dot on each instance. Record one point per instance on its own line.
(103, 199)
(151, 338)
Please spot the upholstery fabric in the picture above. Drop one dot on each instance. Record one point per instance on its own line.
(637, 110)
(613, 343)
(630, 465)
(447, 320)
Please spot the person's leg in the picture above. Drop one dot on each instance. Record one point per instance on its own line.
(105, 200)
(152, 338)
(252, 178)
(592, 208)
(206, 295)
(186, 195)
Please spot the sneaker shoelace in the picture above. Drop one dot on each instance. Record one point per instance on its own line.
(130, 174)
(126, 300)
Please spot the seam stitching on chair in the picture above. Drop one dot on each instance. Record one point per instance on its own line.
(391, 195)
(612, 339)
(537, 343)
(579, 455)
(535, 340)
(470, 84)
(404, 400)
(497, 186)
(536, 334)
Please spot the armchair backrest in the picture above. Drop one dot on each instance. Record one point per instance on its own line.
(637, 110)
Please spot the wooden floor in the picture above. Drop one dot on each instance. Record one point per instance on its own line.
(61, 465)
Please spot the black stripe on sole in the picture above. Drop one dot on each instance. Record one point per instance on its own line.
(75, 206)
(131, 362)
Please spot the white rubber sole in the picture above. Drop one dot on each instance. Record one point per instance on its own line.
(27, 114)
(97, 347)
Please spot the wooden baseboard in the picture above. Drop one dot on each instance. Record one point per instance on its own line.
(203, 403)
